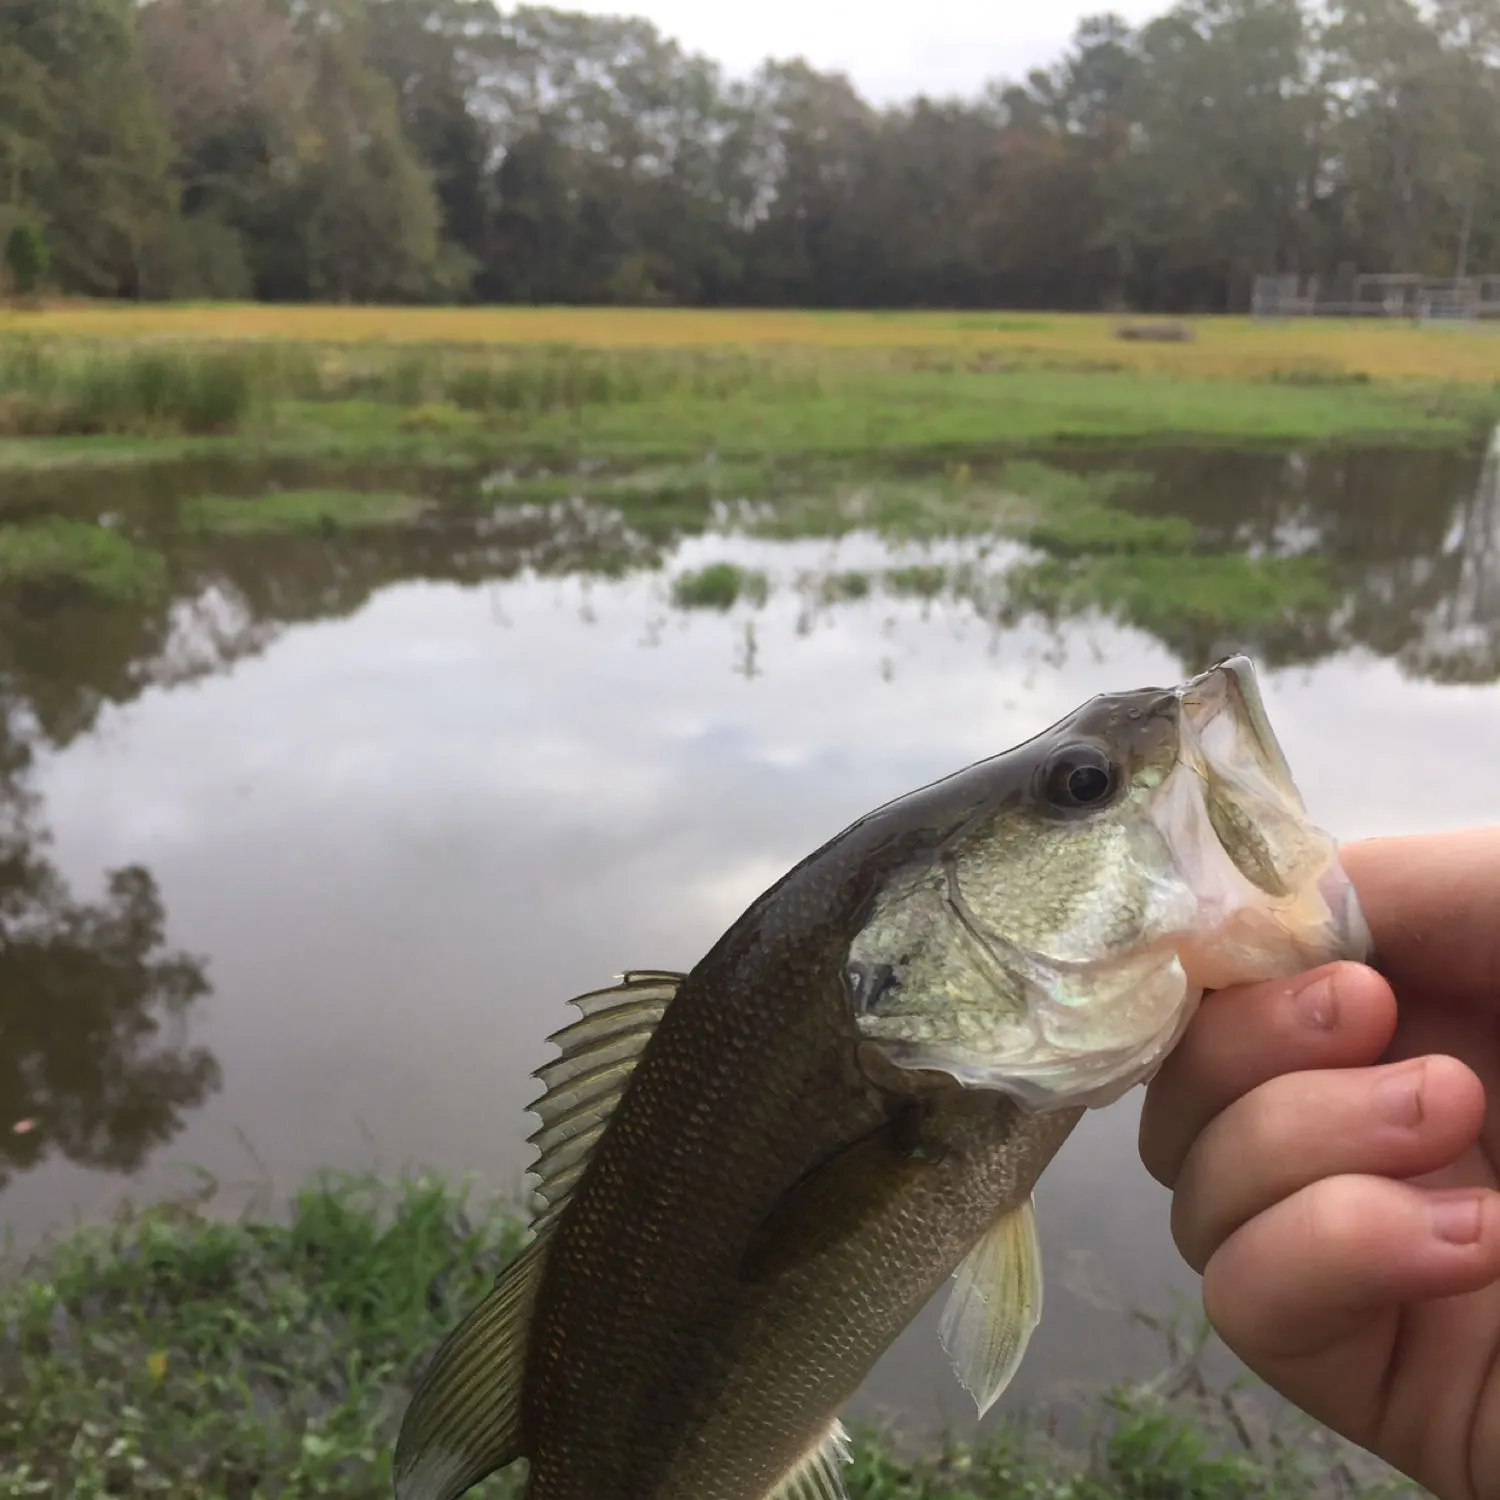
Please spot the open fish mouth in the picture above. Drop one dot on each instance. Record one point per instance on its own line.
(1231, 689)
(1272, 897)
(1228, 882)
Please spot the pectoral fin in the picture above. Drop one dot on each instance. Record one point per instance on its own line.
(995, 1306)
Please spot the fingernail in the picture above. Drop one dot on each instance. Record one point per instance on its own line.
(1457, 1220)
(1317, 1005)
(1398, 1095)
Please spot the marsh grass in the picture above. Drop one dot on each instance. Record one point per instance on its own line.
(719, 585)
(176, 1352)
(51, 390)
(56, 552)
(91, 388)
(660, 402)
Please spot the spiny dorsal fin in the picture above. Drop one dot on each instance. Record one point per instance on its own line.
(995, 1306)
(817, 1476)
(585, 1083)
(464, 1421)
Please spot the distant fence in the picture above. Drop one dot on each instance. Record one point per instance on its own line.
(1424, 299)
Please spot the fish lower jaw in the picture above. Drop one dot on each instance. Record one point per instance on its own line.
(1079, 1055)
(1058, 1080)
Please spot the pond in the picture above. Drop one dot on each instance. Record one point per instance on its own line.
(394, 795)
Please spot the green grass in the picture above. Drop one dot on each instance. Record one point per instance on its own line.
(720, 585)
(177, 1355)
(899, 411)
(63, 391)
(173, 1353)
(436, 402)
(54, 551)
(299, 511)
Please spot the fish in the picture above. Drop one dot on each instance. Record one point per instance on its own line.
(754, 1175)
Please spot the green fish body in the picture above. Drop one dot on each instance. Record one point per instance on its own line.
(754, 1176)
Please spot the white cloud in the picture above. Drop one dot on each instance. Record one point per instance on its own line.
(892, 51)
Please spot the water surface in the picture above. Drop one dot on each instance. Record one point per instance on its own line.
(392, 798)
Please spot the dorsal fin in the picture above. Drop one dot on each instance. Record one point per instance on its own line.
(464, 1421)
(817, 1477)
(584, 1084)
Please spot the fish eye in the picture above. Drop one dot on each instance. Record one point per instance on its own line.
(1080, 776)
(869, 984)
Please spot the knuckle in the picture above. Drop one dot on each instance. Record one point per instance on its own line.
(1335, 1215)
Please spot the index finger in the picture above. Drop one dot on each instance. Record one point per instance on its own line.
(1433, 905)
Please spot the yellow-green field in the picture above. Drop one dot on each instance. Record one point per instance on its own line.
(96, 384)
(1229, 348)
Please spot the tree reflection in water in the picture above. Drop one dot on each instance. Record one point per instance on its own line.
(95, 1062)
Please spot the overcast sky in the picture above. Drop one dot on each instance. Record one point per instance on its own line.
(891, 48)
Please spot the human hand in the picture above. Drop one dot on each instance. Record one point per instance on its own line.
(1333, 1148)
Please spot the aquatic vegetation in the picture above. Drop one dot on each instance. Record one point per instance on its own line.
(1046, 506)
(300, 510)
(1162, 593)
(720, 585)
(92, 557)
(1079, 514)
(921, 580)
(846, 586)
(183, 1352)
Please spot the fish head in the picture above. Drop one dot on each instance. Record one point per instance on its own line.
(1055, 940)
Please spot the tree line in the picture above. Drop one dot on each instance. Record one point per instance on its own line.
(450, 150)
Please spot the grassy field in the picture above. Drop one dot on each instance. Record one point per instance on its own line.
(179, 1353)
(1221, 348)
(105, 386)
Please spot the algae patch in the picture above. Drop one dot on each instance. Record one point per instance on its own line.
(1161, 593)
(300, 511)
(93, 557)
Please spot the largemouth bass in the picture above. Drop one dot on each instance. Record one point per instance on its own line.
(753, 1176)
